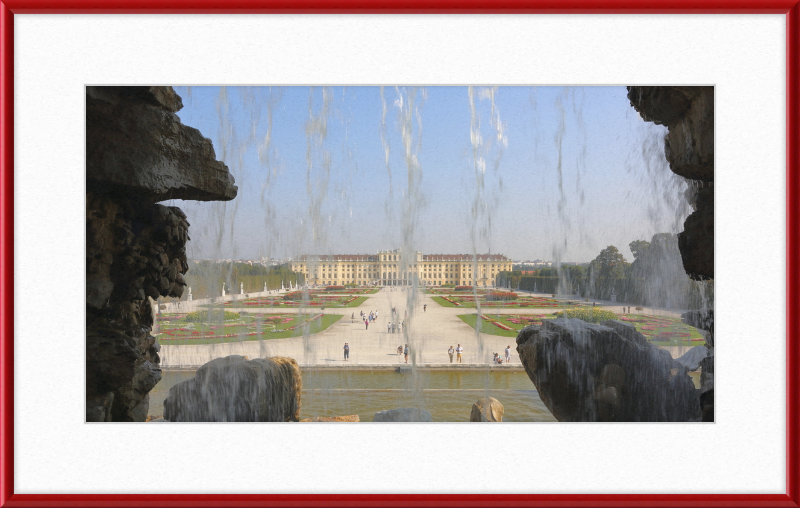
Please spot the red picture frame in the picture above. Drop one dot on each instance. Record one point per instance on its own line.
(791, 8)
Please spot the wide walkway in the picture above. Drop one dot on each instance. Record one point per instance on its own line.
(428, 333)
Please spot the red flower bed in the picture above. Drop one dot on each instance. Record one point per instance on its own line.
(500, 296)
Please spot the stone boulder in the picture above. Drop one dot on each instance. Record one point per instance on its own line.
(235, 389)
(137, 145)
(487, 409)
(403, 414)
(347, 418)
(605, 372)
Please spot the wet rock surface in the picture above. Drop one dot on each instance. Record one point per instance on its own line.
(323, 419)
(688, 113)
(138, 153)
(605, 372)
(403, 414)
(487, 409)
(136, 144)
(235, 389)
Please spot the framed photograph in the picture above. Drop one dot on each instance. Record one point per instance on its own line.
(53, 54)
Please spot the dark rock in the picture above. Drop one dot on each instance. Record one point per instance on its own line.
(235, 389)
(136, 145)
(590, 372)
(696, 241)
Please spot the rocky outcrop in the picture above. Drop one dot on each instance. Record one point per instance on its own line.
(137, 145)
(688, 113)
(347, 418)
(487, 409)
(138, 153)
(704, 320)
(605, 372)
(403, 414)
(235, 389)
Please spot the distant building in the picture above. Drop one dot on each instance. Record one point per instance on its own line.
(388, 268)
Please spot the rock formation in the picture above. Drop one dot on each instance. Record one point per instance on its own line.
(487, 409)
(688, 113)
(347, 418)
(235, 389)
(605, 372)
(403, 414)
(138, 153)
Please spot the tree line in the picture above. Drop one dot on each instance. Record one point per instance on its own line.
(655, 277)
(206, 278)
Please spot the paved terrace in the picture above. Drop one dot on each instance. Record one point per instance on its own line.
(428, 334)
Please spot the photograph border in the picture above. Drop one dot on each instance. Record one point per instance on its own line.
(790, 8)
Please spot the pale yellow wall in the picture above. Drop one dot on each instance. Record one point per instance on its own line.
(436, 272)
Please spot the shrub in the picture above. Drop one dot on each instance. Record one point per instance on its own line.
(447, 286)
(639, 309)
(295, 295)
(202, 316)
(588, 314)
(500, 296)
(334, 288)
(464, 288)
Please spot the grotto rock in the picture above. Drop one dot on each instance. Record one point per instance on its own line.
(403, 414)
(591, 372)
(235, 389)
(696, 241)
(137, 145)
(347, 418)
(688, 114)
(487, 409)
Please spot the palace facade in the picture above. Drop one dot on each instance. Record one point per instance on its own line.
(389, 268)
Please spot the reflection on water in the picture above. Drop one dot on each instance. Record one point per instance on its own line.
(447, 394)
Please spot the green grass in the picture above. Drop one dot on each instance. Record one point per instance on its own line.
(660, 325)
(355, 303)
(239, 332)
(487, 327)
(444, 303)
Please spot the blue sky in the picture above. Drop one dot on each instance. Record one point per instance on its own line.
(537, 172)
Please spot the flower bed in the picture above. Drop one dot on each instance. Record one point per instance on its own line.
(260, 324)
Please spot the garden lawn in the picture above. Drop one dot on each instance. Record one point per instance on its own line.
(255, 327)
(522, 302)
(660, 331)
(322, 299)
(488, 326)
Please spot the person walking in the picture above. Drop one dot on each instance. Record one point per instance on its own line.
(450, 352)
(508, 353)
(366, 324)
(389, 327)
(346, 351)
(425, 309)
(459, 351)
(405, 352)
(353, 317)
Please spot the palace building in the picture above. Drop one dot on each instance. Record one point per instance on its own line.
(389, 268)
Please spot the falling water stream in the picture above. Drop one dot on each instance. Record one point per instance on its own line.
(336, 186)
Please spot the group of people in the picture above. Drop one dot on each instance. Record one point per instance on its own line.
(499, 360)
(401, 349)
(458, 351)
(366, 318)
